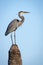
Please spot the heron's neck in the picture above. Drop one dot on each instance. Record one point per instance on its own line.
(22, 18)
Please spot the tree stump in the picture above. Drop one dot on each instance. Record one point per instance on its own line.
(14, 57)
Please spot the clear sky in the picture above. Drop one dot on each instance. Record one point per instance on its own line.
(29, 36)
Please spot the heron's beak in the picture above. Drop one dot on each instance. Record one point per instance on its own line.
(25, 12)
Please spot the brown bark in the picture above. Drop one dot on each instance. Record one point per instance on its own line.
(14, 57)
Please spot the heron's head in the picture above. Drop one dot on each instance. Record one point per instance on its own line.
(23, 12)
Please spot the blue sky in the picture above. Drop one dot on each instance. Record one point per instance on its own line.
(29, 36)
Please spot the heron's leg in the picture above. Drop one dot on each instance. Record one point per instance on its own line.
(11, 39)
(14, 38)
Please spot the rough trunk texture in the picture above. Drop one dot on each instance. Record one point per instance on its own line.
(14, 57)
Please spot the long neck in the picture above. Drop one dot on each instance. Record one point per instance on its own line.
(22, 17)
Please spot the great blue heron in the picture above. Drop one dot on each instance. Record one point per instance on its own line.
(15, 24)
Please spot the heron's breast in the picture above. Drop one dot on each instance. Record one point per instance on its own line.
(20, 23)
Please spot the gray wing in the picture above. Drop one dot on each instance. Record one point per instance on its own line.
(12, 26)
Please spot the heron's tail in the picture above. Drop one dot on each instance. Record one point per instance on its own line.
(6, 33)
